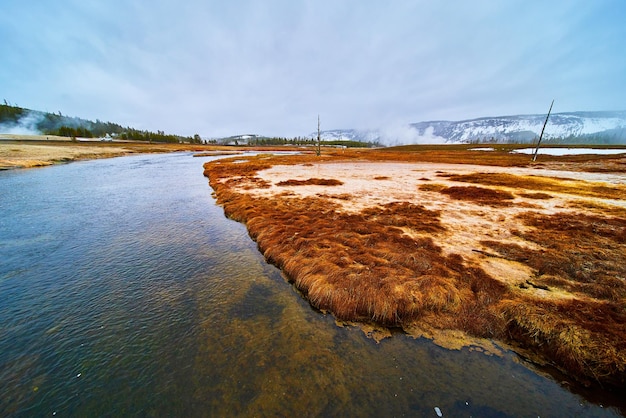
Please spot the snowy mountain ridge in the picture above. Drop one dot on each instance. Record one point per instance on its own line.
(568, 127)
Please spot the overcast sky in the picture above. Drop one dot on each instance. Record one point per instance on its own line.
(220, 68)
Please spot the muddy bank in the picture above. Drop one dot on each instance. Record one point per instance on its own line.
(28, 155)
(529, 255)
(41, 151)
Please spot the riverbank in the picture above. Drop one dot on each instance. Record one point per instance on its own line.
(27, 151)
(483, 244)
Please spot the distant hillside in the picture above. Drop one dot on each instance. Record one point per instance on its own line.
(18, 120)
(260, 140)
(562, 128)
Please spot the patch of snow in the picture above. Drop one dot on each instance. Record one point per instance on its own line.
(572, 151)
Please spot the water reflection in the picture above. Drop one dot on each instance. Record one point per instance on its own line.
(125, 291)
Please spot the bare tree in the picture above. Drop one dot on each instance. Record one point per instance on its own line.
(318, 147)
(542, 129)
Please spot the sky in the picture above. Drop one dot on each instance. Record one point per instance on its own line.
(219, 68)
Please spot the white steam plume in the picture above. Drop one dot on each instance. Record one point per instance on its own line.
(26, 125)
(403, 134)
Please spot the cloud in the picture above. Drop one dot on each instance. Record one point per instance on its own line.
(222, 68)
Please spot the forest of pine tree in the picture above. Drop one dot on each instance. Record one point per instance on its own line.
(47, 123)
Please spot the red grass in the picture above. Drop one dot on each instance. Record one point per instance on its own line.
(365, 267)
(311, 181)
(538, 196)
(559, 185)
(479, 195)
(585, 338)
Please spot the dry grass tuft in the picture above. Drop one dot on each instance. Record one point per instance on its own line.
(557, 185)
(538, 196)
(311, 181)
(599, 207)
(248, 182)
(403, 214)
(480, 195)
(585, 338)
(431, 187)
(342, 196)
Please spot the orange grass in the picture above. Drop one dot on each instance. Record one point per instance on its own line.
(538, 196)
(431, 187)
(480, 195)
(383, 265)
(584, 255)
(585, 338)
(557, 185)
(359, 267)
(342, 196)
(311, 181)
(599, 207)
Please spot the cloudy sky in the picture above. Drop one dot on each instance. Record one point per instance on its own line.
(221, 68)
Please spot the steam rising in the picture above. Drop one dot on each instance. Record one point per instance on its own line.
(26, 125)
(403, 134)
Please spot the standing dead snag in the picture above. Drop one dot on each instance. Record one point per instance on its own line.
(318, 146)
(542, 129)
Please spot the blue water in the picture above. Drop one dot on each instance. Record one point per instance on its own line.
(124, 291)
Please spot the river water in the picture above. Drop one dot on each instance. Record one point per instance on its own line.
(124, 291)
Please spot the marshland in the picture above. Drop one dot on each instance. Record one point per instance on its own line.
(125, 289)
(312, 209)
(438, 239)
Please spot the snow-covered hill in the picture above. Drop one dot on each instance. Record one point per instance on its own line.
(568, 127)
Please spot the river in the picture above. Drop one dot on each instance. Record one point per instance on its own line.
(124, 291)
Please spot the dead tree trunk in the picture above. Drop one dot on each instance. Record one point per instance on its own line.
(318, 146)
(542, 129)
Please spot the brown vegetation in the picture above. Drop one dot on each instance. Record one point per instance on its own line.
(432, 187)
(364, 267)
(391, 263)
(539, 195)
(311, 181)
(557, 185)
(582, 255)
(479, 195)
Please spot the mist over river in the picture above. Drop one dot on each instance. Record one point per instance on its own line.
(124, 291)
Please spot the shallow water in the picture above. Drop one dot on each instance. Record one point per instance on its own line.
(125, 291)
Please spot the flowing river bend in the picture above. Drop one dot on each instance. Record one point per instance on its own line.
(124, 291)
